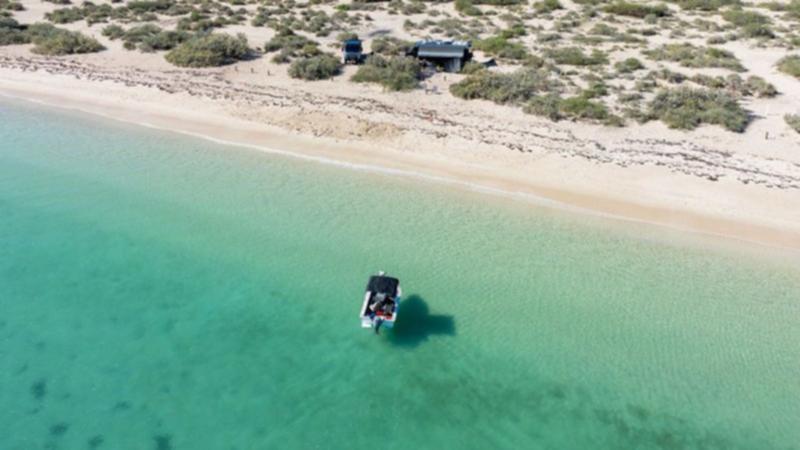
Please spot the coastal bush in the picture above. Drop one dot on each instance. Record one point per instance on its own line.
(793, 9)
(705, 5)
(472, 67)
(579, 108)
(547, 6)
(501, 47)
(689, 55)
(390, 46)
(790, 65)
(147, 38)
(603, 29)
(209, 50)
(150, 6)
(290, 45)
(346, 36)
(517, 87)
(49, 40)
(752, 24)
(759, 87)
(9, 5)
(319, 67)
(638, 10)
(793, 120)
(753, 86)
(574, 56)
(394, 73)
(548, 106)
(687, 108)
(467, 8)
(629, 65)
(113, 31)
(11, 32)
(198, 21)
(65, 15)
(667, 75)
(93, 13)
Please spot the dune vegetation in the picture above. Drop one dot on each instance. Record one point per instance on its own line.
(609, 62)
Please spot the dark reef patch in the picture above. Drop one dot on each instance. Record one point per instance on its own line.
(122, 406)
(163, 442)
(59, 429)
(95, 441)
(39, 389)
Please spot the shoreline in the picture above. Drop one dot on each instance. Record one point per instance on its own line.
(211, 125)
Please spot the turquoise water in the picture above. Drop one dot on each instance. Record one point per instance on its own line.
(162, 292)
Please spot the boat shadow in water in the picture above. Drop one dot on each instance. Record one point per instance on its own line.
(415, 324)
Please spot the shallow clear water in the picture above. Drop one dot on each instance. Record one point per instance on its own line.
(163, 292)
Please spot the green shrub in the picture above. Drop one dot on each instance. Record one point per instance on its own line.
(580, 107)
(65, 15)
(573, 56)
(290, 45)
(638, 10)
(751, 23)
(793, 9)
(689, 55)
(498, 2)
(472, 67)
(501, 47)
(760, 87)
(390, 46)
(545, 106)
(395, 73)
(790, 65)
(319, 67)
(113, 32)
(687, 108)
(547, 6)
(91, 12)
(467, 8)
(150, 6)
(793, 120)
(629, 65)
(705, 5)
(346, 36)
(11, 32)
(667, 75)
(209, 50)
(555, 108)
(49, 40)
(518, 87)
(11, 6)
(603, 29)
(147, 38)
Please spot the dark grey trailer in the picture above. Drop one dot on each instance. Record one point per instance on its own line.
(450, 55)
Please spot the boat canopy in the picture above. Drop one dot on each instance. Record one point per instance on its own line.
(380, 284)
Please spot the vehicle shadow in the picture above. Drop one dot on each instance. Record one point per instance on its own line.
(415, 324)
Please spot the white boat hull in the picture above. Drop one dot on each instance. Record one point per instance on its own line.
(369, 320)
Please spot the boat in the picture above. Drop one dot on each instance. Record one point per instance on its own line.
(381, 302)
